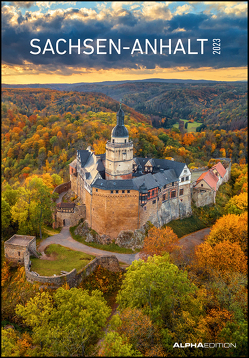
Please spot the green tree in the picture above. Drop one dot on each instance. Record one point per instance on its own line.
(160, 289)
(57, 180)
(10, 195)
(67, 322)
(115, 345)
(5, 215)
(33, 207)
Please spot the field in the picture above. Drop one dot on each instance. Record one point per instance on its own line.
(61, 258)
(191, 126)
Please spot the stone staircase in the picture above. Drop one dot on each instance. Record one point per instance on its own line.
(34, 253)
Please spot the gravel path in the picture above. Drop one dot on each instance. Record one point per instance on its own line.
(188, 242)
(65, 239)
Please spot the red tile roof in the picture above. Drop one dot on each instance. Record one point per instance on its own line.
(220, 169)
(210, 178)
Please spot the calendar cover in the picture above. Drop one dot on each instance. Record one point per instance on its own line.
(124, 178)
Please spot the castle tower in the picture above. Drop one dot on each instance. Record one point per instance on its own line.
(119, 152)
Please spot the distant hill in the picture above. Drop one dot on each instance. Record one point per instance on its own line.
(218, 104)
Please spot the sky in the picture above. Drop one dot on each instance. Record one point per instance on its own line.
(206, 40)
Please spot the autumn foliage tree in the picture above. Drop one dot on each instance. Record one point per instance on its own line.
(231, 227)
(224, 257)
(238, 204)
(137, 330)
(14, 344)
(159, 241)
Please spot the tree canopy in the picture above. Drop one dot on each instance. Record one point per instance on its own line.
(66, 322)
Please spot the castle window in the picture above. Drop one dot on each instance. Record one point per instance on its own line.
(164, 197)
(113, 141)
(187, 178)
(123, 191)
(182, 179)
(143, 199)
(173, 184)
(154, 202)
(19, 253)
(116, 191)
(125, 140)
(128, 191)
(153, 191)
(111, 191)
(201, 184)
(181, 191)
(173, 194)
(96, 189)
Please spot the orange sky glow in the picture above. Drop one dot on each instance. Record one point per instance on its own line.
(18, 75)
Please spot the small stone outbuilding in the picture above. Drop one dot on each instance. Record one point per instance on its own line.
(16, 247)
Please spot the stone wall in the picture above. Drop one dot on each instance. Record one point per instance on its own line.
(14, 254)
(203, 198)
(185, 209)
(109, 262)
(62, 187)
(32, 245)
(74, 185)
(54, 281)
(109, 213)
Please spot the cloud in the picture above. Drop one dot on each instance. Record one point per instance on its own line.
(22, 4)
(184, 9)
(227, 7)
(153, 20)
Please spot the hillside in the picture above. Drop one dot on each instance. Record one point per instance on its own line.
(42, 129)
(220, 105)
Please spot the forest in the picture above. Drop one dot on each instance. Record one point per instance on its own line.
(158, 300)
(220, 105)
(42, 129)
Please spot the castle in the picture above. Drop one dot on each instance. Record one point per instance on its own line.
(122, 193)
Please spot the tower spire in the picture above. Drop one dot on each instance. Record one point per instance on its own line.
(120, 102)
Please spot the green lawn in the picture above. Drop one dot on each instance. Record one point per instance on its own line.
(64, 260)
(111, 247)
(186, 226)
(191, 126)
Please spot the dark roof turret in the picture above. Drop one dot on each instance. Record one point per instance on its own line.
(120, 130)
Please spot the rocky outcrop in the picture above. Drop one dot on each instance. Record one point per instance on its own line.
(132, 240)
(128, 239)
(92, 236)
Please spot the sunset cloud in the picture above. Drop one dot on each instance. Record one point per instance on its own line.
(127, 21)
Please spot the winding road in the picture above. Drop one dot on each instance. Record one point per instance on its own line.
(188, 242)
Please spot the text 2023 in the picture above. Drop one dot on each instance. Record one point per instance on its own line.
(216, 46)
